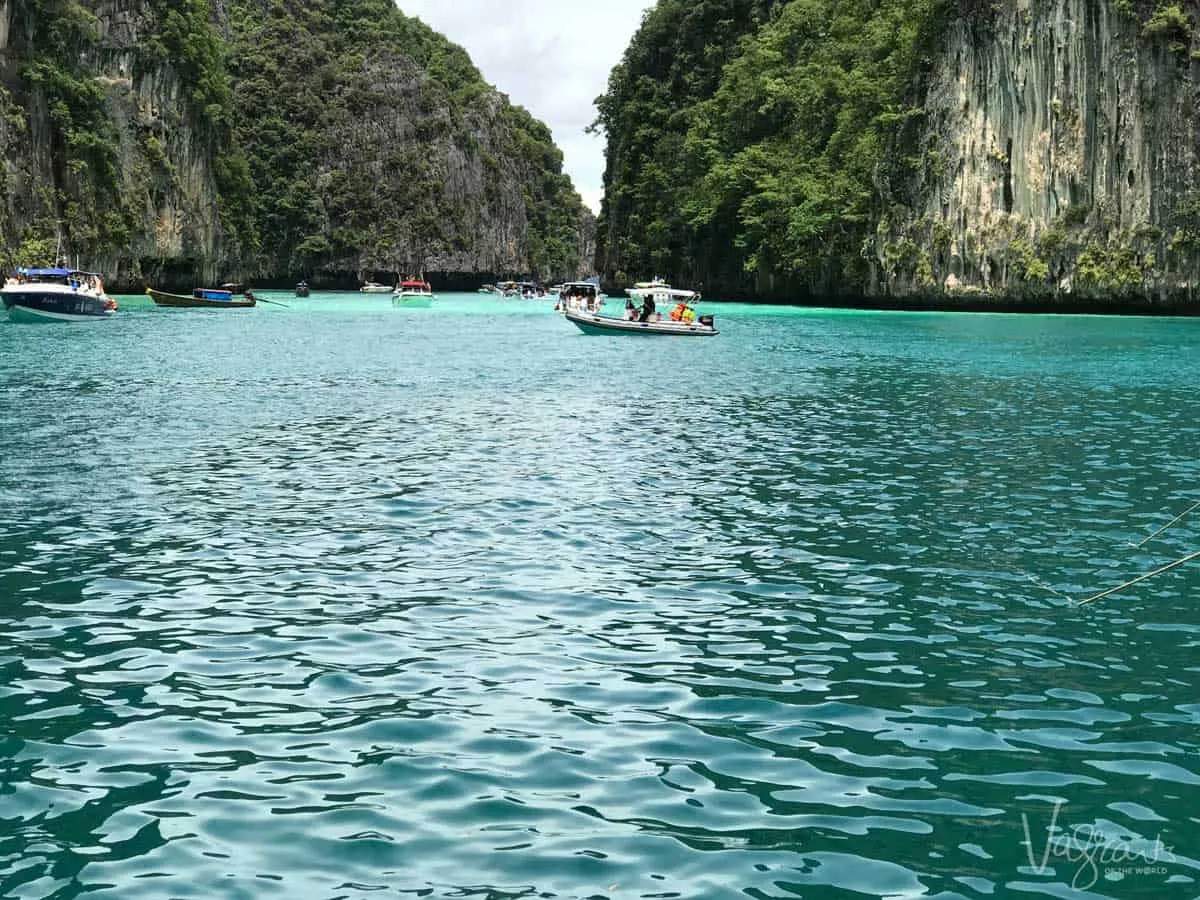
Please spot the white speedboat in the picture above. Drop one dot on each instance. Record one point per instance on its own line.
(56, 295)
(663, 310)
(374, 287)
(413, 292)
(594, 323)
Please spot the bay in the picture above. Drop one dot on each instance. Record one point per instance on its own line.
(342, 600)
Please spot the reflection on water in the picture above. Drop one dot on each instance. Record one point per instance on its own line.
(334, 603)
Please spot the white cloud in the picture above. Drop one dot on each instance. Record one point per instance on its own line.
(551, 56)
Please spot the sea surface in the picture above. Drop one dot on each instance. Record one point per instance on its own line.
(336, 600)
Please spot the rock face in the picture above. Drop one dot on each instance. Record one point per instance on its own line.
(1060, 156)
(103, 163)
(924, 150)
(243, 139)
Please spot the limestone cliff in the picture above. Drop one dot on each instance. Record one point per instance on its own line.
(1060, 155)
(194, 142)
(855, 151)
(105, 162)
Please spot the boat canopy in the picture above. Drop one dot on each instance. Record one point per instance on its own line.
(660, 292)
(412, 283)
(55, 272)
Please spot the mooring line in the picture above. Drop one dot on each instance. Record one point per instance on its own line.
(1121, 587)
(1046, 587)
(1191, 508)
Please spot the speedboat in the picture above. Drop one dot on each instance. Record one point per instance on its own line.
(413, 292)
(56, 295)
(302, 289)
(648, 319)
(374, 287)
(594, 323)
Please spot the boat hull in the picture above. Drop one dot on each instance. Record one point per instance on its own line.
(56, 307)
(19, 312)
(413, 301)
(180, 301)
(590, 323)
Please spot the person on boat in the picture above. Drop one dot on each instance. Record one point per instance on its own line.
(647, 309)
(631, 311)
(688, 316)
(679, 311)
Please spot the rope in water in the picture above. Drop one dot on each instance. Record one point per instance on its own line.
(1140, 578)
(1191, 508)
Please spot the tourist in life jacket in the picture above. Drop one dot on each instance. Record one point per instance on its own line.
(678, 312)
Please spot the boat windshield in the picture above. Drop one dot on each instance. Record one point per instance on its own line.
(56, 275)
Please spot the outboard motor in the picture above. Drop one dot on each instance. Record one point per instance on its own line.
(706, 321)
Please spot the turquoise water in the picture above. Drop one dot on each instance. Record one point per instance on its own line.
(344, 601)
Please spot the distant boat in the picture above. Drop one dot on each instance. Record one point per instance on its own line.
(582, 296)
(413, 292)
(661, 292)
(203, 298)
(526, 290)
(302, 289)
(56, 295)
(374, 287)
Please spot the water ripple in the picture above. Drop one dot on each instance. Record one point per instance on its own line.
(345, 604)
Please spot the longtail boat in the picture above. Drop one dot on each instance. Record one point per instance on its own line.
(206, 298)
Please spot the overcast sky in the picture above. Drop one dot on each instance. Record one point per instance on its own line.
(550, 56)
